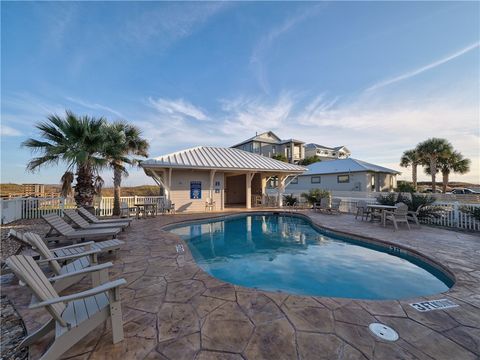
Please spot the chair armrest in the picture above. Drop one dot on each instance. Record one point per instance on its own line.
(82, 271)
(69, 257)
(74, 245)
(81, 295)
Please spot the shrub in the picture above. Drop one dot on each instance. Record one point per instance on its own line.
(314, 195)
(289, 200)
(474, 212)
(390, 199)
(280, 157)
(405, 187)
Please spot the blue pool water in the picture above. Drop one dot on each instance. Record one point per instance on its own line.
(285, 253)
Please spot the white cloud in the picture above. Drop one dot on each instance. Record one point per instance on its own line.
(178, 108)
(93, 106)
(9, 131)
(422, 69)
(169, 22)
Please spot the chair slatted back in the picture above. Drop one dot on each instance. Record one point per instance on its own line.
(76, 218)
(324, 202)
(58, 224)
(336, 203)
(87, 214)
(401, 210)
(39, 245)
(18, 236)
(28, 271)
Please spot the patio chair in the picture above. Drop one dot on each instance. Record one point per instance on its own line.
(85, 225)
(126, 210)
(94, 220)
(168, 206)
(73, 316)
(102, 246)
(399, 215)
(68, 269)
(413, 215)
(59, 228)
(362, 210)
(209, 205)
(335, 207)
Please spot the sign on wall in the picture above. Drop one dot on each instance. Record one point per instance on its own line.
(195, 189)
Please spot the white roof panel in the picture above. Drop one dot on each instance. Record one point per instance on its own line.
(206, 157)
(345, 166)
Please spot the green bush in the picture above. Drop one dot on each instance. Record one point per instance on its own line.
(405, 187)
(390, 199)
(289, 200)
(474, 212)
(314, 195)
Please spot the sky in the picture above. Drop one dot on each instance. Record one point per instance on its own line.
(377, 77)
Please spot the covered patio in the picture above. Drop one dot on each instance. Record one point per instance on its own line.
(214, 178)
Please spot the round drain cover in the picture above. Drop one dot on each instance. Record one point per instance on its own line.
(384, 332)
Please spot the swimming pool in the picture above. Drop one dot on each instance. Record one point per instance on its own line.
(286, 253)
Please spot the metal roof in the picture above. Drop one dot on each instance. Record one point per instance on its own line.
(205, 157)
(260, 138)
(336, 148)
(345, 166)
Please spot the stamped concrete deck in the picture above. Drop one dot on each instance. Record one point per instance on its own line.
(173, 310)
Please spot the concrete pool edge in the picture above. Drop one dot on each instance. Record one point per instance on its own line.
(386, 245)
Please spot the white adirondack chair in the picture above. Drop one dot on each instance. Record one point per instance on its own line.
(73, 316)
(413, 215)
(69, 269)
(399, 215)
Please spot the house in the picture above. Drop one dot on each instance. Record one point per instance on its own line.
(193, 177)
(344, 175)
(268, 144)
(325, 152)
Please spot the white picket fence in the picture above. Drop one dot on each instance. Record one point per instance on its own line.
(105, 207)
(33, 208)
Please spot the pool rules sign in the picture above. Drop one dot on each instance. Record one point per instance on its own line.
(433, 305)
(195, 189)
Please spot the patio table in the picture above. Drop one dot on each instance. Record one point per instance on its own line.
(145, 209)
(381, 209)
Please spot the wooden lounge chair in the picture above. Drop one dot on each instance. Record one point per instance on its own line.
(94, 220)
(362, 210)
(60, 228)
(399, 215)
(74, 266)
(85, 225)
(73, 316)
(101, 246)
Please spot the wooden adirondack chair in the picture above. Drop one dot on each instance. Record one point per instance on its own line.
(60, 228)
(73, 215)
(75, 266)
(94, 220)
(335, 207)
(399, 215)
(73, 316)
(362, 210)
(103, 246)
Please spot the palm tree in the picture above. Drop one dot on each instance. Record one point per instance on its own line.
(76, 141)
(430, 151)
(123, 141)
(451, 162)
(411, 158)
(67, 180)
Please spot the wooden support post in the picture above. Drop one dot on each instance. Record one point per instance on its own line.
(281, 189)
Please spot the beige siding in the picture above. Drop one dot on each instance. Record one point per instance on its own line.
(180, 190)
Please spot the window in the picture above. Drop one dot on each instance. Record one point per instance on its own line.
(294, 181)
(341, 179)
(315, 179)
(274, 149)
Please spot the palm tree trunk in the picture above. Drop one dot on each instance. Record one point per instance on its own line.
(414, 176)
(117, 181)
(84, 190)
(433, 169)
(445, 182)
